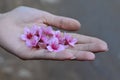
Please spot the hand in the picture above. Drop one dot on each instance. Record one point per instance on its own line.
(12, 25)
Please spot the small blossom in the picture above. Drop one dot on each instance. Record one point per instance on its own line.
(58, 35)
(70, 40)
(55, 46)
(33, 42)
(36, 31)
(27, 34)
(47, 34)
(48, 31)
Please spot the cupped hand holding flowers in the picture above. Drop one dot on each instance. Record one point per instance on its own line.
(43, 42)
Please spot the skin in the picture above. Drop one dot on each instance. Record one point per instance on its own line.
(12, 25)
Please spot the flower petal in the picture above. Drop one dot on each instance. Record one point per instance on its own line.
(61, 48)
(26, 30)
(34, 41)
(28, 43)
(49, 48)
(23, 37)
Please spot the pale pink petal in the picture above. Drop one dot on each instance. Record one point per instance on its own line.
(34, 29)
(57, 32)
(69, 40)
(73, 42)
(49, 48)
(28, 43)
(23, 37)
(34, 41)
(54, 40)
(49, 28)
(59, 36)
(26, 30)
(61, 48)
(40, 32)
(48, 31)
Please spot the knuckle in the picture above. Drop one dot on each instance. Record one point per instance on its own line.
(60, 23)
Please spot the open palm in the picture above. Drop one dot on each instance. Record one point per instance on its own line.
(12, 25)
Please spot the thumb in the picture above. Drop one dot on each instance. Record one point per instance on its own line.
(62, 22)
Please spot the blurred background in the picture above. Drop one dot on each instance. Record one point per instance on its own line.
(99, 18)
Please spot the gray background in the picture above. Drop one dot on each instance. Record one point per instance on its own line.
(99, 18)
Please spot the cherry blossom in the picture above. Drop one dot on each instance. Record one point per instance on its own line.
(70, 40)
(46, 38)
(58, 35)
(27, 34)
(33, 42)
(55, 46)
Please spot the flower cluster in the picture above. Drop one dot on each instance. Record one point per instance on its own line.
(47, 38)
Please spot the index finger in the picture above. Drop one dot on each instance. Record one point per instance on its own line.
(62, 22)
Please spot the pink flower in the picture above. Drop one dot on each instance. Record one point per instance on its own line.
(27, 34)
(55, 46)
(32, 42)
(48, 31)
(30, 37)
(47, 34)
(70, 40)
(36, 31)
(58, 35)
